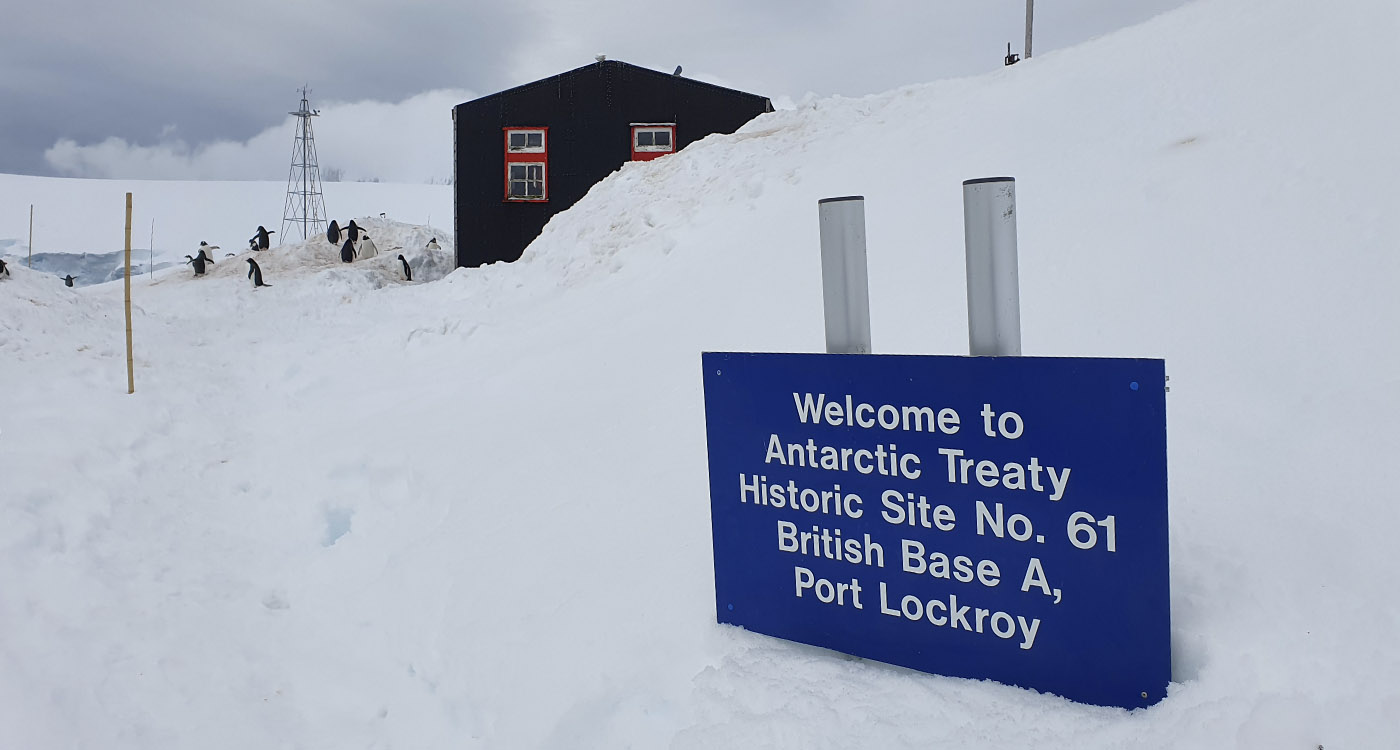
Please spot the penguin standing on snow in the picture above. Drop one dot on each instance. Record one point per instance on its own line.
(407, 272)
(198, 262)
(3, 270)
(208, 248)
(68, 280)
(333, 233)
(352, 230)
(433, 245)
(347, 251)
(367, 248)
(262, 238)
(255, 273)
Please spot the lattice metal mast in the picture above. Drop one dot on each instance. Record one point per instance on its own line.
(306, 206)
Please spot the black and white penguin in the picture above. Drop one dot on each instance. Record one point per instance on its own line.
(333, 233)
(347, 251)
(255, 273)
(262, 238)
(367, 248)
(353, 231)
(253, 244)
(407, 272)
(198, 262)
(3, 270)
(433, 244)
(208, 248)
(68, 280)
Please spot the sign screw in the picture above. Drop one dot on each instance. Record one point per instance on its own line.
(1144, 693)
(1133, 385)
(731, 609)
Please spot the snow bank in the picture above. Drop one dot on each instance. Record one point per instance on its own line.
(473, 513)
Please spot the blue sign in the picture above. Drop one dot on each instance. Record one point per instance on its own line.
(987, 517)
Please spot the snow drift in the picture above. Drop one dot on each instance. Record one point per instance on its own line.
(474, 513)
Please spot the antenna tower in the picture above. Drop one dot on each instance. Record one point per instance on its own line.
(306, 206)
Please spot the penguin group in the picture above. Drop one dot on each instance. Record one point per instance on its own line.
(357, 243)
(260, 240)
(198, 261)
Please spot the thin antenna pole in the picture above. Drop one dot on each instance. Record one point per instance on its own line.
(31, 236)
(130, 367)
(1030, 16)
(151, 267)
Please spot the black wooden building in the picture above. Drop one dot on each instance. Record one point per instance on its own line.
(527, 153)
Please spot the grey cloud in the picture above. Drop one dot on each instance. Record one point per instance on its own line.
(87, 71)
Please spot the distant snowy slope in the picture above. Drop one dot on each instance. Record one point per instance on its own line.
(72, 215)
(350, 511)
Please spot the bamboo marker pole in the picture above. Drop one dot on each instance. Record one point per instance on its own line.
(130, 369)
(31, 236)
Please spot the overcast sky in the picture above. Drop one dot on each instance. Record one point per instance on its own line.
(198, 90)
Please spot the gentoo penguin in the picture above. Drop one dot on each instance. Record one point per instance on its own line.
(353, 231)
(255, 273)
(253, 244)
(367, 248)
(198, 262)
(68, 280)
(261, 237)
(208, 248)
(333, 233)
(407, 272)
(3, 270)
(347, 251)
(433, 245)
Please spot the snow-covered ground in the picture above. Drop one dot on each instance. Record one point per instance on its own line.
(352, 511)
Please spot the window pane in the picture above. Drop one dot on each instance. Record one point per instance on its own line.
(663, 137)
(644, 137)
(517, 140)
(534, 140)
(517, 171)
(535, 172)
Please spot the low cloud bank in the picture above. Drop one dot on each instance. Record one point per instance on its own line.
(407, 141)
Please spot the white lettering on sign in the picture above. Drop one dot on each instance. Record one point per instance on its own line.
(967, 617)
(848, 413)
(1010, 475)
(885, 460)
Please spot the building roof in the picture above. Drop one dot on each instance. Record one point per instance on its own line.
(605, 65)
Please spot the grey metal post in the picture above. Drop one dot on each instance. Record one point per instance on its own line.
(845, 289)
(1030, 16)
(993, 291)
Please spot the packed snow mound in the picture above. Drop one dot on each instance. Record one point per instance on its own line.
(40, 316)
(475, 513)
(316, 261)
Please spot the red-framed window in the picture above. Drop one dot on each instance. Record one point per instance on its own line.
(527, 164)
(652, 139)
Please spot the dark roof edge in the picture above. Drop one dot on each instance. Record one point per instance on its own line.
(551, 79)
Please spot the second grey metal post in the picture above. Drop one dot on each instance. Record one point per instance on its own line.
(993, 290)
(845, 289)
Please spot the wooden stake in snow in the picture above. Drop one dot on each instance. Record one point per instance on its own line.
(130, 369)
